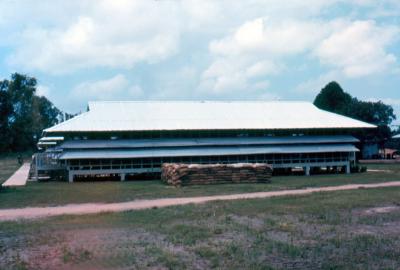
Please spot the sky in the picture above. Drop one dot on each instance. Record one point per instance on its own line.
(82, 50)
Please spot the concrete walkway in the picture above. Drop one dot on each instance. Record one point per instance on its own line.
(19, 178)
(93, 208)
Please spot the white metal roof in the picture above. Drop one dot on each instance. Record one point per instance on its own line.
(203, 115)
(396, 136)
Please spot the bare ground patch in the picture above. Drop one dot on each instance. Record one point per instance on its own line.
(381, 210)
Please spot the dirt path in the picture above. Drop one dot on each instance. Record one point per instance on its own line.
(19, 178)
(92, 208)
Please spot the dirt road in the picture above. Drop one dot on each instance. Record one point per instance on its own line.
(92, 208)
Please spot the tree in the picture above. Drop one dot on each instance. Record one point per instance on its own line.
(332, 98)
(377, 113)
(25, 114)
(21, 90)
(5, 113)
(45, 115)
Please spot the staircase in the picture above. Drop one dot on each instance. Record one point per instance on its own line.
(42, 165)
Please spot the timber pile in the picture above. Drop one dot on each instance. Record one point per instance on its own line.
(179, 174)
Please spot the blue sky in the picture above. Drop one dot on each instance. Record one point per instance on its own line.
(184, 49)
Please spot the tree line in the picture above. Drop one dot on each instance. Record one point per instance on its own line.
(23, 114)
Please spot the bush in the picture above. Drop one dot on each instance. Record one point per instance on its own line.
(355, 169)
(358, 169)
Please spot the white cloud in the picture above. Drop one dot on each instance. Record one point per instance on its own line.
(254, 51)
(237, 74)
(268, 37)
(358, 49)
(67, 36)
(102, 89)
(76, 35)
(112, 88)
(109, 34)
(261, 68)
(316, 84)
(260, 47)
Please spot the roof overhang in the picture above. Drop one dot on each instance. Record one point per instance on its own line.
(205, 151)
(185, 142)
(46, 143)
(52, 138)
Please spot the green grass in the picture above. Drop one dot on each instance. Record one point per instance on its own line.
(320, 231)
(59, 193)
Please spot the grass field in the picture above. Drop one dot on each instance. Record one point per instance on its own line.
(357, 229)
(59, 193)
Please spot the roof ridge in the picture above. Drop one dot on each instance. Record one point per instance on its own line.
(199, 101)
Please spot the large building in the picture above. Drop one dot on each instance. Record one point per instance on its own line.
(131, 137)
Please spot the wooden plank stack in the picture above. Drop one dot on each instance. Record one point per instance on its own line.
(179, 174)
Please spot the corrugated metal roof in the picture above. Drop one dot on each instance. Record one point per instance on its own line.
(205, 151)
(203, 115)
(142, 143)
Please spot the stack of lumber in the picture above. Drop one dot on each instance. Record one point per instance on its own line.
(179, 174)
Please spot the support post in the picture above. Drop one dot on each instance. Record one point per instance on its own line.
(122, 175)
(36, 167)
(307, 170)
(348, 168)
(70, 176)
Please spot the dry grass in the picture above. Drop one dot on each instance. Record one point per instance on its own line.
(340, 230)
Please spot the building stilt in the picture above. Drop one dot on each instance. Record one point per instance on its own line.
(70, 176)
(348, 168)
(307, 170)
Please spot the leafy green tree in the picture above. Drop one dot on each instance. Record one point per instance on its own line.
(21, 90)
(29, 114)
(67, 116)
(45, 115)
(377, 113)
(332, 98)
(5, 113)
